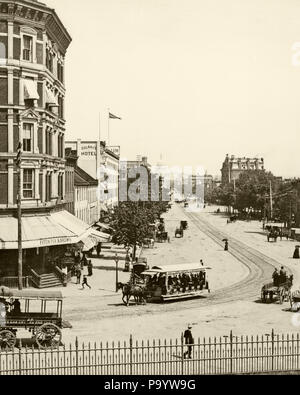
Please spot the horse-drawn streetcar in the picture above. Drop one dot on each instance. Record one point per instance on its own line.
(164, 283)
(30, 310)
(174, 282)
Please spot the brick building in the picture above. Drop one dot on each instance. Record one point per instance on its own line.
(33, 45)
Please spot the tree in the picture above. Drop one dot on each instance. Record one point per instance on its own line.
(131, 223)
(252, 188)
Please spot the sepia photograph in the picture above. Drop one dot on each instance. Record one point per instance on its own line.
(149, 190)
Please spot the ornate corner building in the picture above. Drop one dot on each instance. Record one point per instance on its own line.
(33, 45)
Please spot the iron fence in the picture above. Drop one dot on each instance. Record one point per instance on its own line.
(225, 355)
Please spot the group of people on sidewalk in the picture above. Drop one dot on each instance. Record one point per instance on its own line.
(81, 262)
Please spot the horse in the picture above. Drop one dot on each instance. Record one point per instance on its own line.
(137, 291)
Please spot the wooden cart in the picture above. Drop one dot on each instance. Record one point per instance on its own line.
(281, 293)
(30, 310)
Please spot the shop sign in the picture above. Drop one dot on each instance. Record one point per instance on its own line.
(55, 241)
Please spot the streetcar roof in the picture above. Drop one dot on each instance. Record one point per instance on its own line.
(30, 294)
(185, 267)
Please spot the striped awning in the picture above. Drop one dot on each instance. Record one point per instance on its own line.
(30, 90)
(59, 228)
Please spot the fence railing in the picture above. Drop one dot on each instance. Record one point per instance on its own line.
(224, 355)
(13, 282)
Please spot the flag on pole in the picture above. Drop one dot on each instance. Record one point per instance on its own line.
(112, 116)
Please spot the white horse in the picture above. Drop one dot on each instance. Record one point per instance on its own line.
(295, 298)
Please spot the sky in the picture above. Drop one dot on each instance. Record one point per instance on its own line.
(192, 80)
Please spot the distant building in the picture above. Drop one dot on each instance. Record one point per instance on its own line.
(145, 189)
(93, 155)
(71, 162)
(206, 180)
(233, 167)
(86, 203)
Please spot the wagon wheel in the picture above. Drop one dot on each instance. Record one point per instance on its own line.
(48, 336)
(7, 340)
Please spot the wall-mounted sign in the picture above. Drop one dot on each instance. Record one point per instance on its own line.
(115, 149)
(88, 150)
(56, 241)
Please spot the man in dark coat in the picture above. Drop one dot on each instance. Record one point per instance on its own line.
(90, 268)
(282, 275)
(226, 245)
(275, 277)
(189, 341)
(99, 247)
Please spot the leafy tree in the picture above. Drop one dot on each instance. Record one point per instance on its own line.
(131, 223)
(252, 188)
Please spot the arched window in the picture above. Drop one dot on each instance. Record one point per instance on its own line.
(2, 51)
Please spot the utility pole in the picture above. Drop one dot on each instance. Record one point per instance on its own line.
(271, 200)
(20, 252)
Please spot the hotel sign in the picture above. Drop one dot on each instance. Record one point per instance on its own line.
(88, 150)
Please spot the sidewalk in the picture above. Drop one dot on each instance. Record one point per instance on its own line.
(103, 280)
(252, 234)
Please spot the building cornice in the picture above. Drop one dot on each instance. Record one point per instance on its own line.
(34, 13)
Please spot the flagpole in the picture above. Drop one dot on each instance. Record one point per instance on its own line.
(99, 127)
(108, 131)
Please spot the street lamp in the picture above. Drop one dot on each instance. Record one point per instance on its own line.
(117, 268)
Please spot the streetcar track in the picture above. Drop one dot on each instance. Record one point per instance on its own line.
(260, 268)
(259, 265)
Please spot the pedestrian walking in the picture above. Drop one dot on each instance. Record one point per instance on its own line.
(78, 274)
(201, 262)
(98, 248)
(85, 283)
(226, 246)
(296, 253)
(90, 268)
(189, 341)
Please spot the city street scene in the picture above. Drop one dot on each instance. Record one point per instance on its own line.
(149, 189)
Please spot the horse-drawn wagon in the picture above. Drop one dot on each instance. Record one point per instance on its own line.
(28, 309)
(162, 237)
(184, 225)
(280, 292)
(179, 232)
(273, 235)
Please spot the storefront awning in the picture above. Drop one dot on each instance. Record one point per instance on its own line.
(39, 231)
(50, 98)
(30, 90)
(88, 244)
(98, 237)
